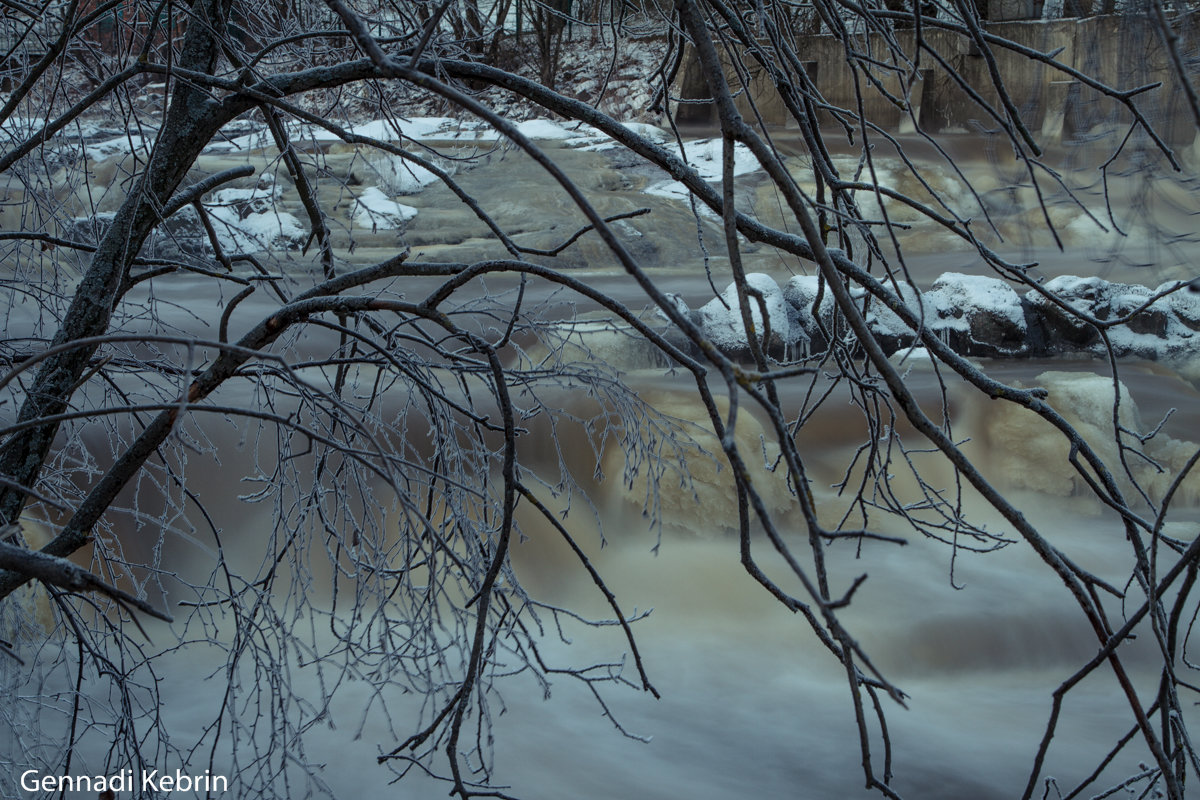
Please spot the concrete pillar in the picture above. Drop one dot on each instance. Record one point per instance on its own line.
(916, 98)
(1057, 99)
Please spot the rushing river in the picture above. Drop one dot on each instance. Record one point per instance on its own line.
(751, 704)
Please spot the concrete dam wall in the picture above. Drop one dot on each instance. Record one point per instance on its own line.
(1123, 52)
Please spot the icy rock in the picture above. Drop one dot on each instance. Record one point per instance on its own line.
(890, 330)
(245, 220)
(974, 316)
(1122, 300)
(679, 305)
(244, 202)
(180, 237)
(980, 316)
(722, 323)
(1183, 303)
(1064, 332)
(800, 292)
(120, 147)
(1104, 301)
(87, 230)
(671, 332)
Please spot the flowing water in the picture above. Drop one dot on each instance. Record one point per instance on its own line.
(752, 705)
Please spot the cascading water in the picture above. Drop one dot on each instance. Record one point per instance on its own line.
(750, 701)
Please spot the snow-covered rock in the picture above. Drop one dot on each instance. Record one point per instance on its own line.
(893, 333)
(801, 294)
(180, 237)
(973, 315)
(890, 330)
(249, 220)
(979, 315)
(722, 323)
(1183, 302)
(119, 147)
(1145, 333)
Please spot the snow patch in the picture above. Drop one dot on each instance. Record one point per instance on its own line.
(646, 131)
(418, 129)
(248, 221)
(397, 175)
(545, 129)
(373, 209)
(121, 146)
(704, 156)
(677, 192)
(597, 140)
(441, 129)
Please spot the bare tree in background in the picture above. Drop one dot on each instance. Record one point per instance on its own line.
(549, 23)
(384, 408)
